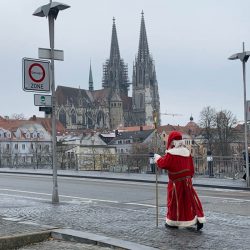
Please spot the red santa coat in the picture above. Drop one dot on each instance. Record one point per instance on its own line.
(183, 205)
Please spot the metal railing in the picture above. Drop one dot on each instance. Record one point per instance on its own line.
(220, 167)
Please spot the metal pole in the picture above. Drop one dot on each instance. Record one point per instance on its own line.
(156, 171)
(245, 118)
(157, 196)
(55, 197)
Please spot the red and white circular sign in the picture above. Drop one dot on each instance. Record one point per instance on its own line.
(36, 75)
(36, 72)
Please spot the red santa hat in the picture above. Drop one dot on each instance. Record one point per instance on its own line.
(174, 135)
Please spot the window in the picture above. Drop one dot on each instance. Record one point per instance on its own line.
(8, 146)
(62, 117)
(23, 146)
(32, 146)
(73, 117)
(16, 146)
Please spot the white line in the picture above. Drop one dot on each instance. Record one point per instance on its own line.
(139, 204)
(26, 197)
(223, 198)
(65, 196)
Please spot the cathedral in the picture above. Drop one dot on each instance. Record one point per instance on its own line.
(111, 107)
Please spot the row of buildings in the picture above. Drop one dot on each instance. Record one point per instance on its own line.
(28, 142)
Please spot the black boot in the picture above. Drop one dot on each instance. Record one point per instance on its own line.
(168, 226)
(199, 226)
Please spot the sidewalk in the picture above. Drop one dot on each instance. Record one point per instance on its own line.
(199, 181)
(27, 236)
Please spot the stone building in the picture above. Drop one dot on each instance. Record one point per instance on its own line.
(111, 106)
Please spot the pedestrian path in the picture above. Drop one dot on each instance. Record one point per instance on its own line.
(25, 236)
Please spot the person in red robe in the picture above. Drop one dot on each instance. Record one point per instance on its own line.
(184, 208)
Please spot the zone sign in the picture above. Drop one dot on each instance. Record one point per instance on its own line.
(36, 75)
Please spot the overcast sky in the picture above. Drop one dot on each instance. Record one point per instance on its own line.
(190, 42)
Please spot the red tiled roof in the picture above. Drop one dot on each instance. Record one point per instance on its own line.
(46, 123)
(136, 128)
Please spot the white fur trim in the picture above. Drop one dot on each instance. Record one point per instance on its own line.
(185, 223)
(179, 151)
(201, 219)
(156, 157)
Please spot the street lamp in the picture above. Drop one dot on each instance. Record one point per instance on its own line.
(243, 56)
(51, 11)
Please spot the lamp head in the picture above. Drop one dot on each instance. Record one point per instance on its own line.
(243, 56)
(50, 9)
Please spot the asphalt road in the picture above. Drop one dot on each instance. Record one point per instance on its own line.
(117, 193)
(126, 210)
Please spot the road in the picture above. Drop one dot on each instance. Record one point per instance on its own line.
(125, 210)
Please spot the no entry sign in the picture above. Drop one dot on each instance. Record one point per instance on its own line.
(36, 75)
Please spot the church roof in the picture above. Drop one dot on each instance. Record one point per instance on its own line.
(66, 95)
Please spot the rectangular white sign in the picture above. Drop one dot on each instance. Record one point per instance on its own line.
(36, 75)
(43, 100)
(46, 54)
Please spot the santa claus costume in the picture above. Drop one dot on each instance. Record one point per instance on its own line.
(184, 208)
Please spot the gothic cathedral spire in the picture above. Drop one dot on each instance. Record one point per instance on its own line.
(115, 71)
(143, 51)
(91, 84)
(145, 96)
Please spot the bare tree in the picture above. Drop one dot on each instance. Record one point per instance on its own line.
(208, 125)
(18, 116)
(225, 122)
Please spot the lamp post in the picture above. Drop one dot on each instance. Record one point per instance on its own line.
(243, 56)
(51, 11)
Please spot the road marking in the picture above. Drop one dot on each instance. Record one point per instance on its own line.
(82, 199)
(65, 196)
(223, 198)
(139, 204)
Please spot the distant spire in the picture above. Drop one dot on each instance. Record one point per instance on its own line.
(91, 87)
(114, 49)
(143, 50)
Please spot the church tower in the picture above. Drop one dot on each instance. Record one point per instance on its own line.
(116, 111)
(115, 71)
(91, 84)
(145, 95)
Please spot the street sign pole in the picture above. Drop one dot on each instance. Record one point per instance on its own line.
(51, 11)
(55, 196)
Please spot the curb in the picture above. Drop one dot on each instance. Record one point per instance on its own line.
(69, 235)
(94, 239)
(21, 240)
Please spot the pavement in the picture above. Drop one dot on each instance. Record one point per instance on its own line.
(16, 234)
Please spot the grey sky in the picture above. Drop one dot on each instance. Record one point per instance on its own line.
(190, 42)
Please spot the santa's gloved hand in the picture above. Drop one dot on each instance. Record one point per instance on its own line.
(156, 157)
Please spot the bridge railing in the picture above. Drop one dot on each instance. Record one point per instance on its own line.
(220, 166)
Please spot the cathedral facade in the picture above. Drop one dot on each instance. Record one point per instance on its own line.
(111, 106)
